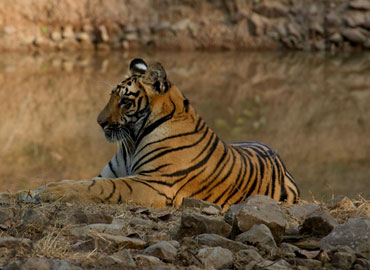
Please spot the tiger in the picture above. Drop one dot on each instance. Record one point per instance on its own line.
(167, 152)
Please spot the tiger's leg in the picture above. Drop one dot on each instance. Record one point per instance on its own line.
(106, 190)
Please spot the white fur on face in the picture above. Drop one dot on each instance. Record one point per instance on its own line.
(141, 66)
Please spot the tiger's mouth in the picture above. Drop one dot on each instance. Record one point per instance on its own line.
(116, 133)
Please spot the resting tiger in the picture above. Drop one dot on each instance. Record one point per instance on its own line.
(168, 152)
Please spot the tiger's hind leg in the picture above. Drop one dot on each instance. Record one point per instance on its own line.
(105, 190)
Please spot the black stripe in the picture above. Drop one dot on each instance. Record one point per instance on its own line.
(112, 170)
(128, 186)
(205, 147)
(113, 190)
(188, 181)
(92, 184)
(155, 169)
(199, 164)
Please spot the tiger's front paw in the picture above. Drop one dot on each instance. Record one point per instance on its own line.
(66, 190)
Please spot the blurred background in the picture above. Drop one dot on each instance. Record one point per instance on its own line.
(292, 74)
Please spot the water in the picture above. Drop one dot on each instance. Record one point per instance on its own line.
(312, 108)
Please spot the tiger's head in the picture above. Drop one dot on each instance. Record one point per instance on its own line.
(131, 101)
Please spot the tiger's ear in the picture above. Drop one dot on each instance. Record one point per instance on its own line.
(156, 77)
(138, 66)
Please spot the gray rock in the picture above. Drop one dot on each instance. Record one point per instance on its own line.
(140, 222)
(355, 233)
(336, 38)
(309, 263)
(301, 211)
(36, 264)
(10, 242)
(271, 9)
(250, 254)
(360, 4)
(275, 265)
(120, 241)
(199, 204)
(64, 265)
(257, 234)
(343, 260)
(211, 210)
(124, 256)
(99, 218)
(353, 34)
(146, 260)
(216, 257)
(163, 250)
(194, 224)
(258, 210)
(319, 223)
(311, 243)
(333, 19)
(361, 264)
(5, 215)
(354, 18)
(81, 232)
(215, 240)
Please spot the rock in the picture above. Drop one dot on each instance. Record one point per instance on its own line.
(99, 218)
(163, 250)
(211, 210)
(333, 19)
(146, 260)
(340, 202)
(317, 27)
(301, 211)
(275, 265)
(5, 215)
(83, 246)
(36, 264)
(199, 204)
(10, 242)
(83, 37)
(193, 224)
(361, 264)
(343, 260)
(64, 265)
(103, 33)
(271, 9)
(257, 234)
(13, 266)
(354, 18)
(259, 210)
(81, 232)
(68, 32)
(311, 243)
(256, 25)
(360, 4)
(355, 233)
(125, 258)
(161, 26)
(140, 222)
(308, 263)
(250, 254)
(43, 43)
(336, 38)
(353, 34)
(56, 35)
(289, 250)
(216, 257)
(68, 45)
(319, 223)
(215, 240)
(120, 241)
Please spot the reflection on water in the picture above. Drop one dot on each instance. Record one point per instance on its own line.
(312, 108)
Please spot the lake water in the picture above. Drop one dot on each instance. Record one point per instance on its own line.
(314, 109)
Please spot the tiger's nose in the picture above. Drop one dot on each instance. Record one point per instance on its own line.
(102, 123)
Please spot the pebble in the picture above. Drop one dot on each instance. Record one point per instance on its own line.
(216, 257)
(163, 250)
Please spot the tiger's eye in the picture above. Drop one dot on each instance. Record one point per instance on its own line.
(126, 102)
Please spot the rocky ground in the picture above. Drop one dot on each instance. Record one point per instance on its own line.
(258, 234)
(331, 25)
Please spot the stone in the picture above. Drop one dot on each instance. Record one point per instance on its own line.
(103, 33)
(342, 260)
(355, 233)
(336, 38)
(333, 19)
(120, 241)
(361, 264)
(271, 9)
(257, 234)
(260, 210)
(56, 35)
(5, 215)
(360, 4)
(64, 265)
(188, 202)
(319, 223)
(256, 25)
(354, 18)
(340, 202)
(124, 256)
(68, 32)
(215, 240)
(99, 218)
(216, 257)
(301, 211)
(36, 264)
(44, 43)
(81, 232)
(146, 260)
(11, 241)
(275, 265)
(210, 210)
(309, 263)
(163, 250)
(68, 45)
(353, 35)
(194, 224)
(250, 254)
(83, 37)
(310, 243)
(140, 222)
